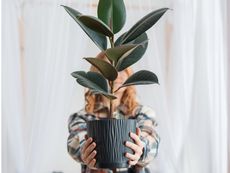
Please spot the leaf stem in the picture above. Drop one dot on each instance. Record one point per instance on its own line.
(111, 83)
(117, 89)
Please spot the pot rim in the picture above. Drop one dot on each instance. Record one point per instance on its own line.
(112, 119)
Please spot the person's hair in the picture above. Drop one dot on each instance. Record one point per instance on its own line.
(128, 98)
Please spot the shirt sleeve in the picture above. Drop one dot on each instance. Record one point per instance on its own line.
(77, 131)
(146, 121)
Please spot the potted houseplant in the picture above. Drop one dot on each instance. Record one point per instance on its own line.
(110, 133)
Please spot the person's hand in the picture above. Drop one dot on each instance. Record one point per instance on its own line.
(88, 153)
(137, 147)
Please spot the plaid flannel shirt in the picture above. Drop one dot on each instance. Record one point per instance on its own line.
(145, 117)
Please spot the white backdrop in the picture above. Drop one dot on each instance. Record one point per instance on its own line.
(187, 50)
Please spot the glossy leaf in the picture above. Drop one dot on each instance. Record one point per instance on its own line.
(119, 40)
(94, 81)
(99, 39)
(135, 55)
(107, 70)
(96, 25)
(142, 77)
(115, 53)
(112, 13)
(143, 25)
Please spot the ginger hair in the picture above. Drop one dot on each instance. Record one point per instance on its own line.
(128, 98)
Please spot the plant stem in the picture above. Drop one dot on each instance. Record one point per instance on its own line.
(111, 101)
(111, 83)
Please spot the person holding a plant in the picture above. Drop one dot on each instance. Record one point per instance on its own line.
(146, 140)
(112, 115)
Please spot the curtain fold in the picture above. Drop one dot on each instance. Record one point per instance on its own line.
(12, 106)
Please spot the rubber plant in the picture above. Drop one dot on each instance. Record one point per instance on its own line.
(122, 53)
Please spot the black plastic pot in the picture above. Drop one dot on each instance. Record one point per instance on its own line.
(110, 136)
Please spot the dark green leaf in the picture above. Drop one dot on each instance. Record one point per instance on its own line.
(99, 39)
(135, 55)
(115, 53)
(94, 81)
(142, 77)
(143, 25)
(96, 25)
(104, 67)
(119, 40)
(112, 13)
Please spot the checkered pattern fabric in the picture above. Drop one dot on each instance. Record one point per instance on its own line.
(146, 121)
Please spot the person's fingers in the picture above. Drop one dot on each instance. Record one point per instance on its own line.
(138, 131)
(136, 139)
(90, 157)
(137, 149)
(89, 149)
(92, 163)
(86, 136)
(86, 144)
(133, 162)
(132, 156)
